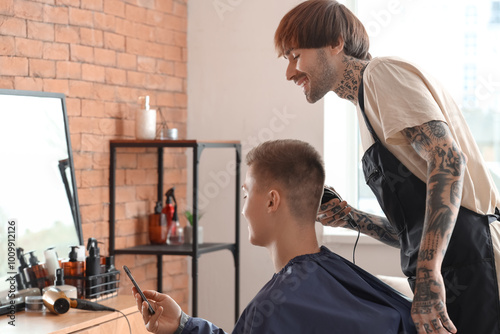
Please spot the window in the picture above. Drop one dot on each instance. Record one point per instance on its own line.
(460, 48)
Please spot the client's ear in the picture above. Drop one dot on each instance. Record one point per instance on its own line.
(274, 201)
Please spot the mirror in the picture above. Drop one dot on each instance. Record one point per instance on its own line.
(37, 182)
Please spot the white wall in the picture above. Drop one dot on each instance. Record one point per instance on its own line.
(237, 91)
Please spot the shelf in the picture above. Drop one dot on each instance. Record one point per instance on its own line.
(193, 250)
(185, 249)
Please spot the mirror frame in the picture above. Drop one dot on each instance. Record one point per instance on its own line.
(75, 207)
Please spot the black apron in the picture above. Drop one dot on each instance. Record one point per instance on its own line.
(468, 269)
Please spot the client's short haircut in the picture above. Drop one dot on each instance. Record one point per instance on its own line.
(294, 165)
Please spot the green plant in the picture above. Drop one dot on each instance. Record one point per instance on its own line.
(189, 215)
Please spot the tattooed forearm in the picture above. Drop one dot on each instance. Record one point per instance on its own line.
(376, 227)
(446, 165)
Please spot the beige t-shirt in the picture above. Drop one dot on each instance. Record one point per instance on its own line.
(399, 95)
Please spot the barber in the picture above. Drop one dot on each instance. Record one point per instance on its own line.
(421, 162)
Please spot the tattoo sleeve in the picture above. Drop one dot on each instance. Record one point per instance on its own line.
(445, 168)
(376, 227)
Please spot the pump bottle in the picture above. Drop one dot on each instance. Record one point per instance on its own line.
(75, 270)
(92, 268)
(69, 290)
(37, 272)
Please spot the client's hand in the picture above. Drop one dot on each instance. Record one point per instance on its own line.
(167, 312)
(332, 213)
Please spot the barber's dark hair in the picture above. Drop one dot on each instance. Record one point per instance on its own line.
(296, 167)
(318, 23)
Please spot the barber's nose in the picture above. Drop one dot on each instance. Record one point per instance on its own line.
(291, 71)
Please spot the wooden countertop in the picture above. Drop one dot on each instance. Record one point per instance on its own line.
(79, 321)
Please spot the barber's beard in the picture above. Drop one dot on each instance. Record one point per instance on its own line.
(321, 79)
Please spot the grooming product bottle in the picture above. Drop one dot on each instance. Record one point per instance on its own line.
(110, 269)
(170, 205)
(76, 269)
(175, 233)
(22, 267)
(51, 262)
(145, 120)
(37, 272)
(69, 290)
(92, 268)
(158, 228)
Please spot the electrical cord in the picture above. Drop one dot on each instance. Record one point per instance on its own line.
(355, 245)
(128, 322)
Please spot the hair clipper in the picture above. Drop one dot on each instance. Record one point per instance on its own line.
(328, 195)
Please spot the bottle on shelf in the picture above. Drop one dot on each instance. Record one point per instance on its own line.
(175, 233)
(76, 270)
(37, 272)
(92, 269)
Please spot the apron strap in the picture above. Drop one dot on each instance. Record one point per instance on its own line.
(361, 101)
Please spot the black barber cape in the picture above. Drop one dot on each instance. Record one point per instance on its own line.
(320, 293)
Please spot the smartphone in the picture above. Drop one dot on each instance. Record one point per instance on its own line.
(129, 274)
(328, 195)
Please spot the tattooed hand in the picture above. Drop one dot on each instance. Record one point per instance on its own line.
(429, 304)
(332, 212)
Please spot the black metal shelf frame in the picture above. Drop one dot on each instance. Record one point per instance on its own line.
(194, 250)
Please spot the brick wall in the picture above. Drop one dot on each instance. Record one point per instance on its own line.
(103, 55)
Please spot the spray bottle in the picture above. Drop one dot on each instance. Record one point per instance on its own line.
(92, 268)
(169, 208)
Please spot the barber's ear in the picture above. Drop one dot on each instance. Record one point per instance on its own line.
(339, 47)
(274, 201)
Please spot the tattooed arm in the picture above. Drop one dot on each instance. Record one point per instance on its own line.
(445, 168)
(331, 214)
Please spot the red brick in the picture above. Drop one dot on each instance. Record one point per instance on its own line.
(114, 41)
(29, 48)
(146, 64)
(81, 53)
(56, 51)
(91, 37)
(93, 212)
(7, 82)
(165, 67)
(180, 39)
(81, 89)
(105, 57)
(104, 92)
(105, 22)
(66, 34)
(92, 143)
(114, 7)
(115, 76)
(172, 53)
(56, 86)
(71, 3)
(54, 14)
(68, 70)
(135, 14)
(42, 68)
(92, 73)
(92, 108)
(95, 5)
(7, 7)
(41, 31)
(81, 17)
(28, 10)
(164, 36)
(13, 66)
(180, 9)
(12, 26)
(73, 106)
(174, 84)
(127, 61)
(7, 46)
(137, 79)
(28, 83)
(94, 178)
(87, 196)
(165, 6)
(181, 70)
